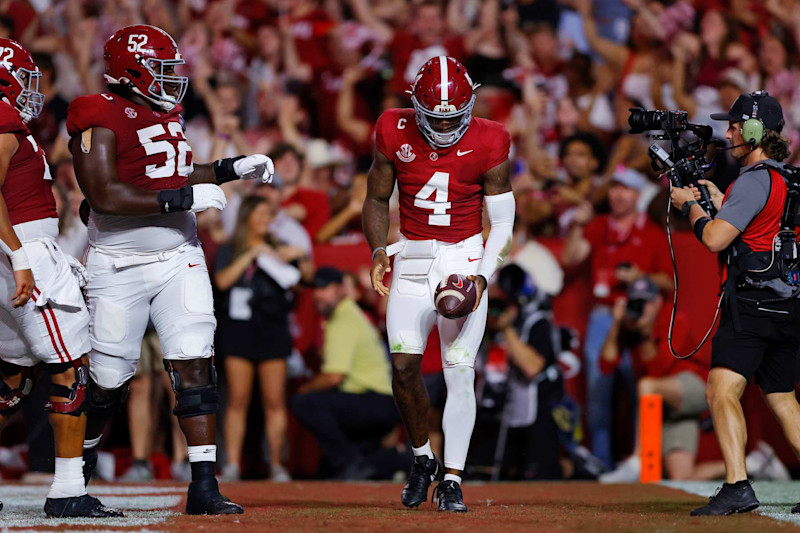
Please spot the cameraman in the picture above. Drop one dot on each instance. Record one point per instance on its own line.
(759, 333)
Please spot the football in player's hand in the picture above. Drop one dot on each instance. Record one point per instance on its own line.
(455, 296)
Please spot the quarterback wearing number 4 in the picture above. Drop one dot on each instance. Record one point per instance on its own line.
(135, 168)
(446, 164)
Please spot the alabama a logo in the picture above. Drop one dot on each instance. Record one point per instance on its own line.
(405, 154)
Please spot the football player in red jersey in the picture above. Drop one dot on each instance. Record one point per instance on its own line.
(48, 321)
(446, 166)
(135, 168)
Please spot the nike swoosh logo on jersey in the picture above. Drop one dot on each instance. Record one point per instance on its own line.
(472, 260)
(459, 153)
(193, 265)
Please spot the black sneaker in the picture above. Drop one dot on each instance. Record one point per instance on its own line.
(204, 498)
(89, 464)
(81, 506)
(424, 470)
(450, 497)
(795, 509)
(730, 498)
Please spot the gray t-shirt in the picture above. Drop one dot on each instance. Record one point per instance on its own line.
(748, 195)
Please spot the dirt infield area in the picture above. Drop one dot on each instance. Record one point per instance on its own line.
(308, 506)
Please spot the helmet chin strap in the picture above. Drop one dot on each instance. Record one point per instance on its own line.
(166, 106)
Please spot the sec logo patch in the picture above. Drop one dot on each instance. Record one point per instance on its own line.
(131, 112)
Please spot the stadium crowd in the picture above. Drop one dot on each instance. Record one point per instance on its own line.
(304, 81)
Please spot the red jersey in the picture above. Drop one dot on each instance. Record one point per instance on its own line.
(152, 152)
(441, 190)
(644, 246)
(27, 186)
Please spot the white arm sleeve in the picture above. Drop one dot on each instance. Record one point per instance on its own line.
(501, 209)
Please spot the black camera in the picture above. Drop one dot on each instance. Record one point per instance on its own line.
(642, 120)
(685, 162)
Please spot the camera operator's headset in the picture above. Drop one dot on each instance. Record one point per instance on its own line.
(753, 128)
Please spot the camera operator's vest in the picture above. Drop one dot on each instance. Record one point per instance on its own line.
(751, 256)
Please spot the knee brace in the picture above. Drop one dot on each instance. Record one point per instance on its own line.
(75, 394)
(104, 402)
(198, 400)
(11, 399)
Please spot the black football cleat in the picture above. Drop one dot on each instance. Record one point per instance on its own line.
(424, 470)
(795, 509)
(450, 497)
(89, 464)
(204, 498)
(78, 507)
(731, 498)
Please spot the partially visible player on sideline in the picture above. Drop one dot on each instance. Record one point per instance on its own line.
(48, 321)
(135, 168)
(446, 164)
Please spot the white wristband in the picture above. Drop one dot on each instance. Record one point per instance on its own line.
(19, 260)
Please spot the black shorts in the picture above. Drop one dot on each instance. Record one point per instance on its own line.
(766, 347)
(256, 342)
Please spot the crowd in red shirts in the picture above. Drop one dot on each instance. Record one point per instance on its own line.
(305, 80)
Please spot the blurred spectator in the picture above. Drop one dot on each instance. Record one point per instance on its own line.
(524, 384)
(255, 274)
(640, 323)
(308, 206)
(622, 247)
(347, 219)
(348, 406)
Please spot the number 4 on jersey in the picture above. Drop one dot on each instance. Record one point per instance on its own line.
(439, 184)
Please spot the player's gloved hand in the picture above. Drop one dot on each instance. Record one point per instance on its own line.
(257, 166)
(194, 198)
(207, 195)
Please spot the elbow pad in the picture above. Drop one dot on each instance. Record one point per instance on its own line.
(501, 209)
(174, 200)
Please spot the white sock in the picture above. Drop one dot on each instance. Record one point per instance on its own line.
(425, 449)
(91, 443)
(458, 419)
(68, 478)
(452, 477)
(204, 452)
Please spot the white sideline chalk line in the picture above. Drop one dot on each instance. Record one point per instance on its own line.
(143, 506)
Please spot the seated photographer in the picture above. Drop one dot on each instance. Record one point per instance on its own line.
(759, 331)
(537, 415)
(621, 247)
(641, 323)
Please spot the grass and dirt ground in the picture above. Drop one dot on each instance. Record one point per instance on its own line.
(375, 507)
